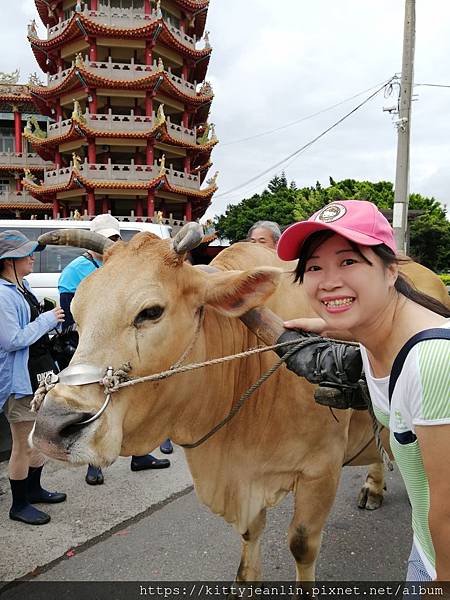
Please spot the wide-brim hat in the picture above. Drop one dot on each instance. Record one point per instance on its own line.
(356, 220)
(15, 244)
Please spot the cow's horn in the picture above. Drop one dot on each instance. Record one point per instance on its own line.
(189, 237)
(79, 238)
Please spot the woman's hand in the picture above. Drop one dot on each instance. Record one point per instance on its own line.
(319, 326)
(312, 324)
(59, 314)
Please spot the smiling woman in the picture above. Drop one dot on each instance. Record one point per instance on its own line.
(350, 272)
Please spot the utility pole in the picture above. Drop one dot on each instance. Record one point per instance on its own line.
(401, 198)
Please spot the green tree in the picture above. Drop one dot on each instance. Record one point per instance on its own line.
(285, 203)
(274, 204)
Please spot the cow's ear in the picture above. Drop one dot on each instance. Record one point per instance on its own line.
(233, 293)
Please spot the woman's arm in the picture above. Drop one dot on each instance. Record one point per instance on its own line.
(13, 337)
(434, 442)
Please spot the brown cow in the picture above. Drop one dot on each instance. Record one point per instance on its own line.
(147, 311)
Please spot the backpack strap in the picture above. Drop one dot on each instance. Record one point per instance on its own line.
(428, 334)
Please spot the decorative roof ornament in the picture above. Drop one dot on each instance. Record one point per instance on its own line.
(79, 61)
(77, 115)
(212, 182)
(28, 175)
(32, 29)
(159, 217)
(203, 139)
(76, 161)
(160, 116)
(158, 10)
(160, 65)
(32, 123)
(79, 6)
(206, 89)
(206, 39)
(162, 166)
(212, 130)
(76, 215)
(34, 79)
(10, 78)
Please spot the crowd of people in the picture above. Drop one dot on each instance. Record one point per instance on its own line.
(348, 263)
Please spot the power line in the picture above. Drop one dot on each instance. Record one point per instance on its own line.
(306, 118)
(305, 146)
(438, 85)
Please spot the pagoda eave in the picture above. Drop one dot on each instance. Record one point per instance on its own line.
(80, 26)
(15, 168)
(42, 8)
(74, 78)
(77, 180)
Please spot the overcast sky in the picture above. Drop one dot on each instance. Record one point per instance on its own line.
(276, 62)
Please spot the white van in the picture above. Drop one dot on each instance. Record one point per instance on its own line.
(49, 263)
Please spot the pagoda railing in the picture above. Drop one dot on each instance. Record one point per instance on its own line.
(126, 123)
(125, 18)
(124, 72)
(11, 197)
(22, 159)
(115, 172)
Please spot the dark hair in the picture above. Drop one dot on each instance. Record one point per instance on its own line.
(403, 284)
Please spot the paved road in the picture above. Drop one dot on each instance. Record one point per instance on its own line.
(178, 539)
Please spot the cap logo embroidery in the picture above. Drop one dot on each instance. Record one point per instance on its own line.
(331, 213)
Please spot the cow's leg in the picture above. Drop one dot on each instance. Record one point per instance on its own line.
(250, 565)
(313, 502)
(372, 492)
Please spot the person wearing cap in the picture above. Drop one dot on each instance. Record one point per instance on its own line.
(349, 268)
(24, 356)
(69, 280)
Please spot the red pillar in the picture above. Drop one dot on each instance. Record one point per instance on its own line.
(18, 183)
(105, 205)
(185, 70)
(58, 160)
(147, 7)
(148, 104)
(92, 49)
(150, 203)
(91, 203)
(94, 5)
(148, 52)
(187, 164)
(139, 208)
(92, 102)
(186, 119)
(150, 152)
(92, 152)
(188, 211)
(17, 129)
(55, 208)
(65, 211)
(59, 113)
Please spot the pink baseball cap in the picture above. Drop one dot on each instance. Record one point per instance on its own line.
(356, 220)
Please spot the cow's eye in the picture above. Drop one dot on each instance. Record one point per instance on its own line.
(152, 313)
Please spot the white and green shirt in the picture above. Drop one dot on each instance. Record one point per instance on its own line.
(421, 397)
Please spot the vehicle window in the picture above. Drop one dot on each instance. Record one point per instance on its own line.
(127, 234)
(55, 258)
(32, 233)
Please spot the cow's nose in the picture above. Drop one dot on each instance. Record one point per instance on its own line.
(56, 422)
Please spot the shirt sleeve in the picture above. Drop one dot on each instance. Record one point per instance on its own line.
(14, 337)
(430, 396)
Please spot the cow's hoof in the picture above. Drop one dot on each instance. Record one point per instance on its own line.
(369, 499)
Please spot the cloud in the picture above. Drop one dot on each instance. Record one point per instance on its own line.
(275, 62)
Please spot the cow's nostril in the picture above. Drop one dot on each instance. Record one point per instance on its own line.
(75, 425)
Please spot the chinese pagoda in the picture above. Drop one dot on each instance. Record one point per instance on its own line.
(129, 105)
(16, 158)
